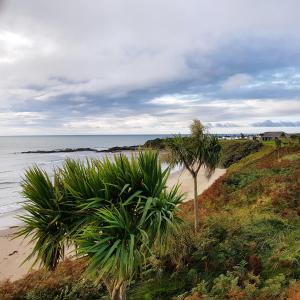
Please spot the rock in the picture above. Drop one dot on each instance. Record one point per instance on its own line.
(14, 252)
(157, 143)
(66, 150)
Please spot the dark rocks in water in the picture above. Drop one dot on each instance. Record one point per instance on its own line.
(157, 143)
(123, 148)
(66, 150)
(69, 150)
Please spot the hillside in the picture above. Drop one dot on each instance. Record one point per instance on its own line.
(234, 150)
(248, 246)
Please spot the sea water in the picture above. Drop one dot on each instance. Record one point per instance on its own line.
(13, 163)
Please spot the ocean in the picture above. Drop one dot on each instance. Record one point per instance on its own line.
(13, 163)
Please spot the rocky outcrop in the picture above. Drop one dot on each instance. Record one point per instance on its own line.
(66, 150)
(153, 144)
(69, 150)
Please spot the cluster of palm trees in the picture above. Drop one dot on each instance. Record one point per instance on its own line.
(111, 211)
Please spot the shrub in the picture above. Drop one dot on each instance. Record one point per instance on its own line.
(234, 151)
(159, 288)
(65, 283)
(273, 287)
(294, 291)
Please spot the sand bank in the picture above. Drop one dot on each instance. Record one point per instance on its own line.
(184, 178)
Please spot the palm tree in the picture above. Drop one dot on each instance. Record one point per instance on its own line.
(200, 149)
(114, 212)
(278, 144)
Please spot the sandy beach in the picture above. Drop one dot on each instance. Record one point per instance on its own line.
(14, 251)
(184, 178)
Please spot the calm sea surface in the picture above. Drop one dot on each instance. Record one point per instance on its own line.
(13, 163)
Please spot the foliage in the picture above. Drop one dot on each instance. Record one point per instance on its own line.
(65, 283)
(248, 244)
(159, 288)
(198, 150)
(45, 219)
(158, 144)
(234, 150)
(112, 211)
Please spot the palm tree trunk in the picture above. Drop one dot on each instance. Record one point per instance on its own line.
(118, 290)
(196, 206)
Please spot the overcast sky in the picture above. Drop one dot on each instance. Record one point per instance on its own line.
(135, 66)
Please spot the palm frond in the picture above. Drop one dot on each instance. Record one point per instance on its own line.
(113, 210)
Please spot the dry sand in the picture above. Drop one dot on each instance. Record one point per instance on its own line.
(14, 251)
(184, 178)
(12, 254)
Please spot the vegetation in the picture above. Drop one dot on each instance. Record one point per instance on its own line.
(234, 150)
(200, 149)
(113, 212)
(247, 246)
(66, 282)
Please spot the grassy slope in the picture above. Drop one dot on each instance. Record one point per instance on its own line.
(234, 150)
(248, 247)
(251, 220)
(249, 244)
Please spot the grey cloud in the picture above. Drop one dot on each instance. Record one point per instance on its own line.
(223, 125)
(269, 123)
(76, 62)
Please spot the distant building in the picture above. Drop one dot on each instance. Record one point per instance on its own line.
(269, 136)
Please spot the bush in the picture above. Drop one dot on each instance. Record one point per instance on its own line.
(294, 291)
(234, 151)
(66, 283)
(159, 288)
(273, 288)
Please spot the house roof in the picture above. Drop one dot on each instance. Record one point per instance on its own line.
(273, 134)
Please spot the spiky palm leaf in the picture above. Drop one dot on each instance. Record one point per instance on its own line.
(113, 210)
(46, 217)
(200, 149)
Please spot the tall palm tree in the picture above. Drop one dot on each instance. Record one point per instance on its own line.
(112, 211)
(278, 144)
(200, 149)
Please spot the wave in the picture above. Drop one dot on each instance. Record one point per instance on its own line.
(9, 208)
(8, 182)
(3, 172)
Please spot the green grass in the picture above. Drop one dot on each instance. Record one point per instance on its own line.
(248, 246)
(235, 150)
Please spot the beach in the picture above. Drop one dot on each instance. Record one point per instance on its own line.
(14, 251)
(185, 179)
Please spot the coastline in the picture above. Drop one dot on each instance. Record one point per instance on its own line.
(185, 179)
(10, 220)
(12, 254)
(14, 251)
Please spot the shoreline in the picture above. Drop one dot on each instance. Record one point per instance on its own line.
(185, 179)
(10, 220)
(14, 251)
(12, 254)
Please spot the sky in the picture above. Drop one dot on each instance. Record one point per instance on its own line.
(149, 67)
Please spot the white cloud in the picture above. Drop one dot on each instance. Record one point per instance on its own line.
(143, 123)
(236, 81)
(120, 52)
(183, 100)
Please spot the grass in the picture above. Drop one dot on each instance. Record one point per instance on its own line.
(65, 283)
(247, 248)
(235, 150)
(251, 216)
